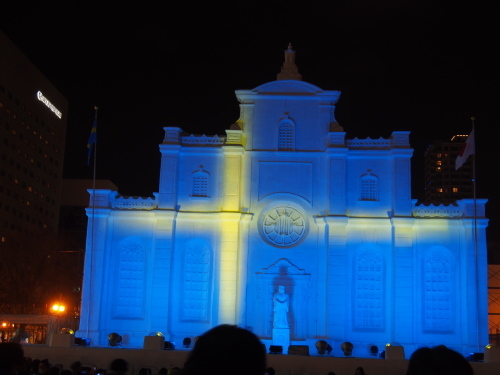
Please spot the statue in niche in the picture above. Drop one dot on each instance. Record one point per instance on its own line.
(281, 304)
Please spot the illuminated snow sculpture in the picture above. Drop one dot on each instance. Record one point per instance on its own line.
(283, 199)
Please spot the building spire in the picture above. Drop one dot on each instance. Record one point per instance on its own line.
(289, 70)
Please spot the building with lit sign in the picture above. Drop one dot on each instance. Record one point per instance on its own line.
(32, 132)
(284, 199)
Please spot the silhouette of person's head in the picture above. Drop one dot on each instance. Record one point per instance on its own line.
(76, 367)
(118, 366)
(43, 366)
(11, 357)
(227, 350)
(360, 371)
(437, 361)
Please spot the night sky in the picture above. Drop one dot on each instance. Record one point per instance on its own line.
(422, 66)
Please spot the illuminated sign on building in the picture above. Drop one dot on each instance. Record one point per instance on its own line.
(45, 101)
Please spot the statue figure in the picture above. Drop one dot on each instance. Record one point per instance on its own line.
(281, 304)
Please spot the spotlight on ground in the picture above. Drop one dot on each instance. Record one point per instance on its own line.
(169, 345)
(275, 349)
(156, 333)
(82, 341)
(475, 357)
(322, 346)
(347, 348)
(114, 339)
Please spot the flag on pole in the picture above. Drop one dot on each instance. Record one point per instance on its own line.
(92, 140)
(467, 149)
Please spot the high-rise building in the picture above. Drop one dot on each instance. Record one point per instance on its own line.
(33, 117)
(444, 184)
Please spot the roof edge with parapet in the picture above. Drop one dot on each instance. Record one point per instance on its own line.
(287, 88)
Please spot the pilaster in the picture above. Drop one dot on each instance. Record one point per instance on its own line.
(337, 276)
(228, 267)
(232, 180)
(403, 281)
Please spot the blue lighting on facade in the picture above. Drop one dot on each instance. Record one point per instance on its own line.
(283, 199)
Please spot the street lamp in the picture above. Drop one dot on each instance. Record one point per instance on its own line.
(58, 308)
(57, 318)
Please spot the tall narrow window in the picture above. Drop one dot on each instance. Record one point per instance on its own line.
(131, 270)
(369, 291)
(200, 184)
(369, 187)
(437, 291)
(286, 140)
(195, 301)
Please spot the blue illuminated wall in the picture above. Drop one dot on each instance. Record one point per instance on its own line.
(284, 199)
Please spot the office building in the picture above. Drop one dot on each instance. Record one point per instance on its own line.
(33, 117)
(443, 183)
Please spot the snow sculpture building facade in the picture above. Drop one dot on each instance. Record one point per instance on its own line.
(284, 199)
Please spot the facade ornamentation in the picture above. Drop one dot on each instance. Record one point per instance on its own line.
(283, 267)
(369, 143)
(134, 203)
(283, 226)
(437, 211)
(202, 140)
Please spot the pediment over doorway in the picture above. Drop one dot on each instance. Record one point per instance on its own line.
(283, 267)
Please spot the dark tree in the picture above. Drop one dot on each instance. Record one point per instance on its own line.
(36, 270)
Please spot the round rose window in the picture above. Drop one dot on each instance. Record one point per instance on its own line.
(283, 226)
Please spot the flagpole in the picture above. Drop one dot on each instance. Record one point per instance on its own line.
(469, 149)
(95, 153)
(93, 216)
(475, 226)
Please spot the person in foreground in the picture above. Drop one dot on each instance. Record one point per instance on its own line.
(438, 361)
(226, 350)
(11, 358)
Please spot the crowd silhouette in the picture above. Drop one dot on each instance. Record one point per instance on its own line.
(223, 350)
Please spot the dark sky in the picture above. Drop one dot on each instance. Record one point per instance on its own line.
(423, 66)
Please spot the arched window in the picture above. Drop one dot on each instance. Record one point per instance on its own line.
(438, 291)
(368, 309)
(196, 292)
(200, 184)
(369, 187)
(131, 273)
(286, 138)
